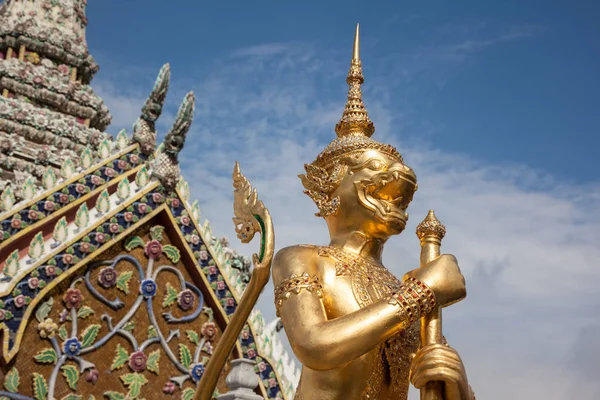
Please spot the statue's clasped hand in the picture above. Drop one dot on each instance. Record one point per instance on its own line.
(440, 362)
(444, 278)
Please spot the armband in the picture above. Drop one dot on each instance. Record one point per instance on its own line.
(414, 300)
(296, 284)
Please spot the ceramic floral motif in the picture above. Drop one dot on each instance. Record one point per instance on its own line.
(82, 217)
(104, 149)
(141, 178)
(11, 267)
(7, 198)
(103, 202)
(36, 247)
(60, 231)
(68, 168)
(28, 188)
(49, 178)
(123, 189)
(122, 139)
(87, 158)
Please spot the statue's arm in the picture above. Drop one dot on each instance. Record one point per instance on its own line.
(323, 344)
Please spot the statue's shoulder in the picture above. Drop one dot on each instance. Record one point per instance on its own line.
(297, 259)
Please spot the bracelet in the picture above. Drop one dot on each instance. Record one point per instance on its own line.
(295, 284)
(414, 300)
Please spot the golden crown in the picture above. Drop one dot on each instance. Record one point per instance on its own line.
(355, 128)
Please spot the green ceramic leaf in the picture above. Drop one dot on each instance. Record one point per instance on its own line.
(67, 169)
(44, 309)
(71, 396)
(134, 382)
(87, 158)
(123, 189)
(11, 266)
(28, 188)
(122, 139)
(104, 149)
(156, 232)
(134, 242)
(7, 198)
(36, 246)
(152, 332)
(123, 281)
(12, 380)
(49, 178)
(142, 176)
(193, 337)
(84, 312)
(103, 202)
(62, 333)
(196, 211)
(184, 355)
(129, 327)
(71, 374)
(188, 394)
(40, 387)
(46, 356)
(170, 296)
(114, 396)
(172, 253)
(60, 230)
(82, 217)
(152, 362)
(89, 335)
(120, 359)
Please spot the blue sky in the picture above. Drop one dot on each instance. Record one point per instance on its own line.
(503, 81)
(494, 104)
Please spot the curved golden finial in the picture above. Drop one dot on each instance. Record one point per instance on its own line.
(355, 120)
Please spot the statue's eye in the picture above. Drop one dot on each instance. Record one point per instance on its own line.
(375, 165)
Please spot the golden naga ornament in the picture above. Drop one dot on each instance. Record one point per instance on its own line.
(351, 323)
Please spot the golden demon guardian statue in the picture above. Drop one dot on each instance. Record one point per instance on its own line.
(351, 323)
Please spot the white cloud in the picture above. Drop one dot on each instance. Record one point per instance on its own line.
(527, 244)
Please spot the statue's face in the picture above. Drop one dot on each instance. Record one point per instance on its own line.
(152, 111)
(376, 192)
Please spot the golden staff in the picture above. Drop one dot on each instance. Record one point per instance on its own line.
(251, 216)
(431, 232)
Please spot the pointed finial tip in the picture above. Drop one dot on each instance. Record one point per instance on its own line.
(356, 52)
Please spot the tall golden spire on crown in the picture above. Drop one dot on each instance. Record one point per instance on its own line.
(355, 120)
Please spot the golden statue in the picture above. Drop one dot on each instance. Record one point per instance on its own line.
(351, 322)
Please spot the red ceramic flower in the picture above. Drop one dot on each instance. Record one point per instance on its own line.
(100, 237)
(15, 223)
(185, 220)
(107, 277)
(33, 283)
(153, 249)
(92, 376)
(128, 216)
(49, 206)
(73, 298)
(174, 203)
(33, 215)
(169, 388)
(67, 259)
(85, 247)
(137, 361)
(79, 188)
(134, 159)
(113, 228)
(63, 198)
(156, 197)
(209, 330)
(186, 299)
(19, 301)
(109, 172)
(50, 270)
(142, 208)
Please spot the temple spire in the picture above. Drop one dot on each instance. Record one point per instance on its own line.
(355, 120)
